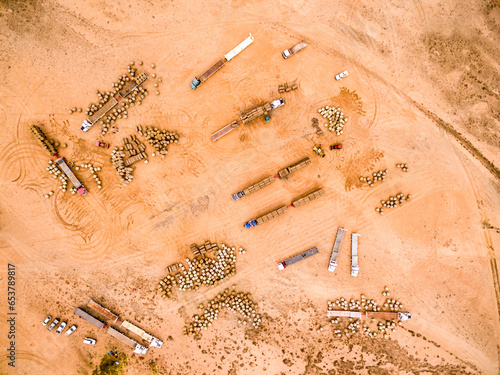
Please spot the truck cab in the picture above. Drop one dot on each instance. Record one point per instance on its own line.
(281, 265)
(277, 103)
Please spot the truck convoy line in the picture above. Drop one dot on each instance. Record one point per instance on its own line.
(220, 63)
(283, 209)
(298, 258)
(246, 117)
(269, 180)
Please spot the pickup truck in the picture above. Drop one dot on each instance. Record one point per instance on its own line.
(339, 76)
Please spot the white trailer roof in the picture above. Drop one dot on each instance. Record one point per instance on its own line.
(240, 47)
(354, 254)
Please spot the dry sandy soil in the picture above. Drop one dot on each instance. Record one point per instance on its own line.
(426, 75)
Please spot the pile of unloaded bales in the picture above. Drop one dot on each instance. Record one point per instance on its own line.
(47, 144)
(377, 176)
(335, 117)
(135, 149)
(159, 139)
(393, 202)
(354, 326)
(236, 302)
(201, 270)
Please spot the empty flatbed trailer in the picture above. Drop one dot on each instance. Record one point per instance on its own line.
(89, 318)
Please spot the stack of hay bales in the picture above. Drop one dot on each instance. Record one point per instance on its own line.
(160, 139)
(54, 170)
(202, 270)
(403, 166)
(335, 117)
(236, 302)
(47, 144)
(117, 159)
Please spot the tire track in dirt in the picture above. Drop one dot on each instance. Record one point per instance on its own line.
(489, 244)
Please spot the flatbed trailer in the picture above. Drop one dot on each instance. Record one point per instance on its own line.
(309, 197)
(153, 341)
(253, 188)
(369, 314)
(225, 130)
(220, 63)
(264, 218)
(207, 74)
(138, 348)
(268, 180)
(246, 117)
(354, 254)
(89, 318)
(294, 167)
(283, 209)
(132, 85)
(336, 248)
(103, 311)
(298, 258)
(108, 106)
(61, 162)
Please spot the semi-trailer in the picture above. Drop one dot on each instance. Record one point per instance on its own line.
(61, 162)
(354, 254)
(220, 63)
(269, 180)
(246, 117)
(283, 209)
(336, 248)
(129, 86)
(403, 316)
(297, 258)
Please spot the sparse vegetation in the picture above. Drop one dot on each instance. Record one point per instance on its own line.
(111, 365)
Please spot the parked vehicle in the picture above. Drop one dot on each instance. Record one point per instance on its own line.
(298, 258)
(338, 146)
(292, 51)
(61, 162)
(71, 330)
(47, 320)
(319, 151)
(339, 76)
(101, 144)
(89, 341)
(61, 328)
(219, 64)
(53, 324)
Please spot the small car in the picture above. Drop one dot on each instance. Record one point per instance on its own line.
(61, 328)
(339, 76)
(338, 146)
(89, 341)
(47, 320)
(53, 324)
(71, 330)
